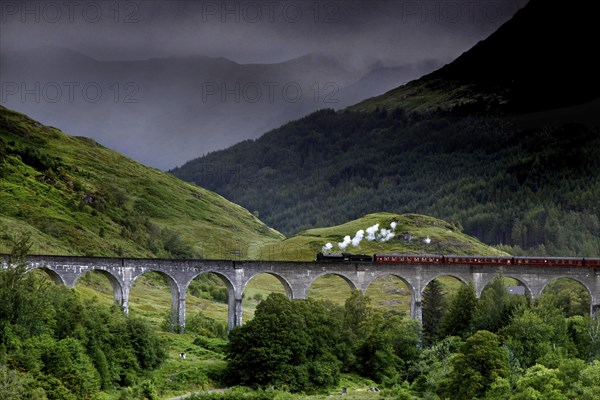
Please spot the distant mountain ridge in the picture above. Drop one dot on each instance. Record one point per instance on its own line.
(169, 110)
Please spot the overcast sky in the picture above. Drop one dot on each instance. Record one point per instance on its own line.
(254, 31)
(361, 32)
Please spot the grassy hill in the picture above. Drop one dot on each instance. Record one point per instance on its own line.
(413, 234)
(77, 197)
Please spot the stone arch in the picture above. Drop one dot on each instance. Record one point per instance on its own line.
(231, 292)
(234, 307)
(177, 295)
(588, 291)
(555, 278)
(226, 280)
(116, 284)
(52, 274)
(284, 282)
(318, 286)
(384, 273)
(490, 277)
(348, 280)
(171, 281)
(464, 280)
(411, 288)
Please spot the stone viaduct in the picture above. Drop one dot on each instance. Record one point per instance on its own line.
(297, 277)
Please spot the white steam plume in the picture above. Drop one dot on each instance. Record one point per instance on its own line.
(373, 234)
(345, 243)
(385, 235)
(327, 248)
(358, 237)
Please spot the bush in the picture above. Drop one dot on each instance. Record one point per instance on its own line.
(206, 326)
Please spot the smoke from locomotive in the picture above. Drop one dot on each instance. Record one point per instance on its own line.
(373, 234)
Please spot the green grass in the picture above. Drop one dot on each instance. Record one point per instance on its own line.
(445, 239)
(77, 197)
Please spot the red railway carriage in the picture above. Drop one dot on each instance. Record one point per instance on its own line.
(592, 262)
(456, 259)
(408, 259)
(549, 261)
(522, 261)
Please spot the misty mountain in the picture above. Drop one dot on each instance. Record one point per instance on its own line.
(541, 59)
(164, 111)
(496, 148)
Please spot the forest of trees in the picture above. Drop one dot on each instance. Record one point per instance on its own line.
(54, 346)
(533, 191)
(497, 347)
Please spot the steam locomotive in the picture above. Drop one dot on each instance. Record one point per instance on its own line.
(458, 259)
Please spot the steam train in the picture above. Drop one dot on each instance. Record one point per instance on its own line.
(458, 259)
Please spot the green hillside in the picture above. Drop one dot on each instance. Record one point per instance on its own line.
(77, 197)
(413, 234)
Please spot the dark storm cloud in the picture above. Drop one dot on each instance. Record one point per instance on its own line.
(172, 119)
(252, 31)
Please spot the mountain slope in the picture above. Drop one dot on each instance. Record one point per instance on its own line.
(487, 143)
(77, 197)
(509, 70)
